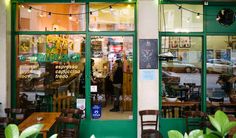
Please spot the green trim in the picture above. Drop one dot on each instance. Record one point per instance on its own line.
(204, 65)
(13, 57)
(87, 68)
(196, 2)
(160, 75)
(180, 34)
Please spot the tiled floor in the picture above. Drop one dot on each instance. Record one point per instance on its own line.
(121, 115)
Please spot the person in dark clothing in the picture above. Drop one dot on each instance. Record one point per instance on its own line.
(117, 84)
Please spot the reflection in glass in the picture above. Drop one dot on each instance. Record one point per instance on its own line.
(111, 80)
(119, 17)
(180, 20)
(51, 17)
(181, 77)
(50, 66)
(221, 58)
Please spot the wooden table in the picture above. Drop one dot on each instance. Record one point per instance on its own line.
(49, 118)
(178, 104)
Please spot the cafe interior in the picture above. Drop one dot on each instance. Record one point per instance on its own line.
(66, 62)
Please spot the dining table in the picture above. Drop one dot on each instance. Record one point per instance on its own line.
(176, 108)
(48, 119)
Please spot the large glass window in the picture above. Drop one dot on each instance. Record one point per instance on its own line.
(52, 17)
(50, 66)
(181, 76)
(221, 58)
(176, 19)
(116, 17)
(111, 76)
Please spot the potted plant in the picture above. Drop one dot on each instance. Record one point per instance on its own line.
(171, 95)
(12, 131)
(220, 122)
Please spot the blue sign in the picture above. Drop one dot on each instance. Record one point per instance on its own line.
(96, 111)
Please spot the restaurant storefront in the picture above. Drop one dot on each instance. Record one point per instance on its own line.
(204, 60)
(64, 55)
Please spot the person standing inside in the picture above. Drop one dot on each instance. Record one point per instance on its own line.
(117, 84)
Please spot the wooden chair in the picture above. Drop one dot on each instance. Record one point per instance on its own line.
(75, 113)
(196, 119)
(68, 127)
(4, 121)
(16, 114)
(149, 127)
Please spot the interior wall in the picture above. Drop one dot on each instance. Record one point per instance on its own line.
(148, 93)
(4, 55)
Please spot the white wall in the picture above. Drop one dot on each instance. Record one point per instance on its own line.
(4, 55)
(148, 93)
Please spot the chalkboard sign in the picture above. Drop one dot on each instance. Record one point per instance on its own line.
(148, 54)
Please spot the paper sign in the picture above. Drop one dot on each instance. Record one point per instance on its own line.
(93, 88)
(80, 104)
(148, 75)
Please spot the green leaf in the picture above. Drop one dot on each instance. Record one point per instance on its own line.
(12, 131)
(54, 136)
(31, 131)
(228, 126)
(215, 123)
(197, 133)
(222, 119)
(210, 136)
(174, 134)
(234, 135)
(208, 130)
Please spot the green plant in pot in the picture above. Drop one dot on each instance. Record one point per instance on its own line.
(171, 95)
(12, 131)
(220, 122)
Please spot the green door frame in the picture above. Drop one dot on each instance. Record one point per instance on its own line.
(180, 122)
(101, 128)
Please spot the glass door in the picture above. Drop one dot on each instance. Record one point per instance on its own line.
(181, 79)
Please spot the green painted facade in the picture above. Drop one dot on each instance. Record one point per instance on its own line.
(210, 27)
(100, 128)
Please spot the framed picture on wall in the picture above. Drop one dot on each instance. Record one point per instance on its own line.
(185, 42)
(174, 42)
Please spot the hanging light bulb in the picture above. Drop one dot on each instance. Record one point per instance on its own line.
(205, 2)
(70, 17)
(198, 16)
(30, 9)
(91, 13)
(130, 0)
(180, 7)
(22, 6)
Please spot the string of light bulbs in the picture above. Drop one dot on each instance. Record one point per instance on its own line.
(198, 14)
(30, 8)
